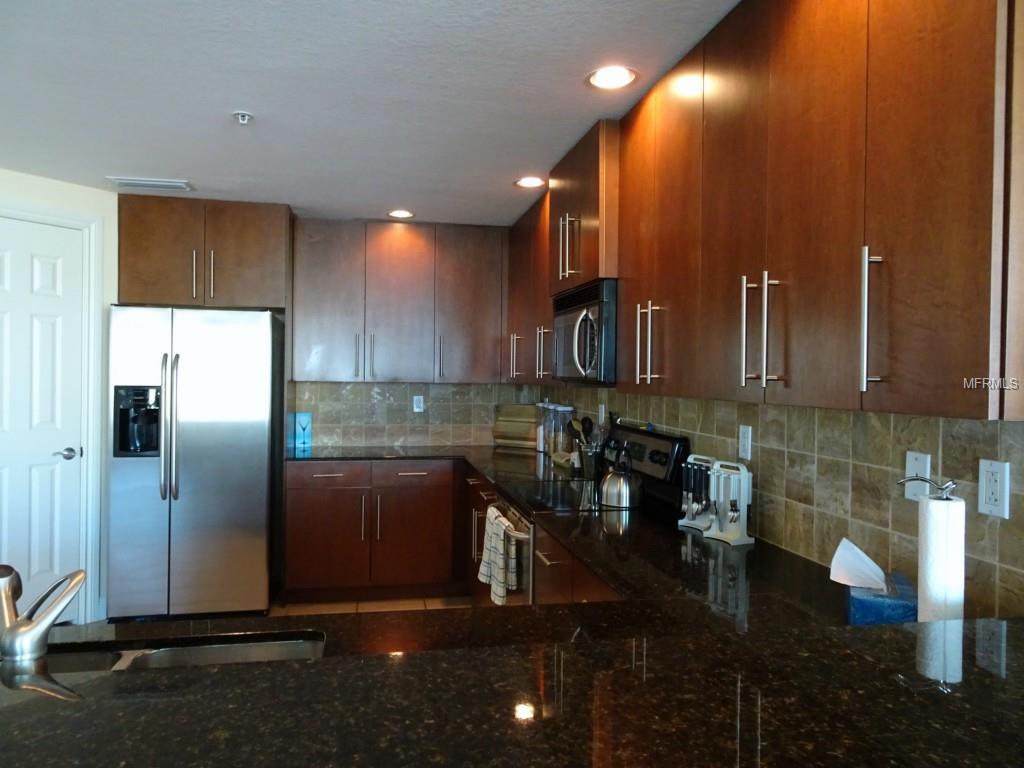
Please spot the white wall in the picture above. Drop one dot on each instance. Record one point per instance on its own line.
(35, 194)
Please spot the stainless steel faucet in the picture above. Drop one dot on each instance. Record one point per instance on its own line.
(25, 637)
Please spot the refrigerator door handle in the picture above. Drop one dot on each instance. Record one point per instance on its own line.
(163, 428)
(174, 428)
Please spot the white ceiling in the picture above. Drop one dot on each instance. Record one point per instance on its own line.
(361, 106)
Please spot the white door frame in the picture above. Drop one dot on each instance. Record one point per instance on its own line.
(93, 459)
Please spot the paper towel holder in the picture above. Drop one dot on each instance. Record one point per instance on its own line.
(943, 490)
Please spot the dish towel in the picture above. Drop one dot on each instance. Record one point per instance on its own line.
(498, 563)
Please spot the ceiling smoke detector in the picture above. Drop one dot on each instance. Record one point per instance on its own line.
(243, 117)
(140, 182)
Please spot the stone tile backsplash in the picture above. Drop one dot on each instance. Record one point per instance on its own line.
(366, 414)
(823, 474)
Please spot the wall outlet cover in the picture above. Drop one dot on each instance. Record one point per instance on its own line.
(746, 433)
(994, 488)
(417, 404)
(917, 464)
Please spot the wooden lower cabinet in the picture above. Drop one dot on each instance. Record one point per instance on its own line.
(412, 536)
(394, 530)
(552, 570)
(327, 542)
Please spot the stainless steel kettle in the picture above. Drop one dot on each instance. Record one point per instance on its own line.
(620, 488)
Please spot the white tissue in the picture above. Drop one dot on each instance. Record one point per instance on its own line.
(851, 566)
(940, 558)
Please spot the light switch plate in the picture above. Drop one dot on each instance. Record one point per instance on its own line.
(917, 464)
(745, 439)
(417, 404)
(994, 488)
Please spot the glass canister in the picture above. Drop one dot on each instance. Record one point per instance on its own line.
(540, 415)
(559, 440)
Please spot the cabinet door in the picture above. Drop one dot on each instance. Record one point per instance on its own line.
(329, 285)
(248, 247)
(160, 250)
(467, 303)
(541, 306)
(733, 200)
(519, 347)
(400, 301)
(672, 345)
(816, 119)
(412, 535)
(552, 570)
(327, 538)
(584, 210)
(931, 172)
(638, 156)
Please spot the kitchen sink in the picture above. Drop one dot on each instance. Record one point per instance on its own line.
(242, 648)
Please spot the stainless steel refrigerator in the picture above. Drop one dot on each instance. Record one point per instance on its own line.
(192, 414)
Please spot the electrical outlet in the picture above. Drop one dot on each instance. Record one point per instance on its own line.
(417, 404)
(917, 464)
(994, 488)
(990, 646)
(746, 433)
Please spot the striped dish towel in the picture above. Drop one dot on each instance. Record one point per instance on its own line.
(498, 563)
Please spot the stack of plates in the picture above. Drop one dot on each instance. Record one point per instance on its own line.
(515, 426)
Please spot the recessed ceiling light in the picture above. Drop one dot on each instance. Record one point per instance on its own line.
(141, 182)
(243, 117)
(530, 182)
(611, 77)
(400, 213)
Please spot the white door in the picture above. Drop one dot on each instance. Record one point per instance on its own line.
(41, 348)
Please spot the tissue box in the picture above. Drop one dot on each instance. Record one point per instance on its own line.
(898, 605)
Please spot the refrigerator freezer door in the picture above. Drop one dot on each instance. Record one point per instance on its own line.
(221, 400)
(140, 337)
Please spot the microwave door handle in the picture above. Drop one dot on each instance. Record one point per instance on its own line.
(576, 342)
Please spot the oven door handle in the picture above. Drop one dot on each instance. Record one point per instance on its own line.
(576, 342)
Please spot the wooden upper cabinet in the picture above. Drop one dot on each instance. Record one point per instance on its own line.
(933, 205)
(528, 345)
(815, 225)
(638, 158)
(733, 202)
(328, 287)
(247, 254)
(584, 210)
(674, 307)
(161, 255)
(193, 252)
(400, 302)
(467, 303)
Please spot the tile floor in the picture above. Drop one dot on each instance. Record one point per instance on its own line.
(370, 606)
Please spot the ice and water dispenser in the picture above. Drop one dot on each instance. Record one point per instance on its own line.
(136, 421)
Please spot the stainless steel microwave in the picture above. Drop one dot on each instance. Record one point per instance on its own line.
(585, 333)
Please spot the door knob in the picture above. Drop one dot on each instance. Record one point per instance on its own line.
(67, 454)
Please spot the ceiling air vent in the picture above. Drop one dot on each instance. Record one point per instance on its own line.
(133, 182)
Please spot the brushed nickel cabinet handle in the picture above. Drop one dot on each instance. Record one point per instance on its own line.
(440, 356)
(541, 373)
(651, 309)
(193, 273)
(357, 357)
(569, 221)
(211, 273)
(412, 474)
(329, 474)
(866, 260)
(765, 285)
(561, 248)
(378, 517)
(372, 374)
(637, 377)
(362, 518)
(744, 287)
(548, 563)
(514, 349)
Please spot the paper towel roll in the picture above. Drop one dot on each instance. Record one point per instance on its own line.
(940, 558)
(940, 650)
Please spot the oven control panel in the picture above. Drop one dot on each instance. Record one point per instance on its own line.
(652, 453)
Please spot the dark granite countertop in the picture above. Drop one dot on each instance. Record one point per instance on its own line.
(718, 657)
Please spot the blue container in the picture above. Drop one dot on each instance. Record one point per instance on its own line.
(898, 605)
